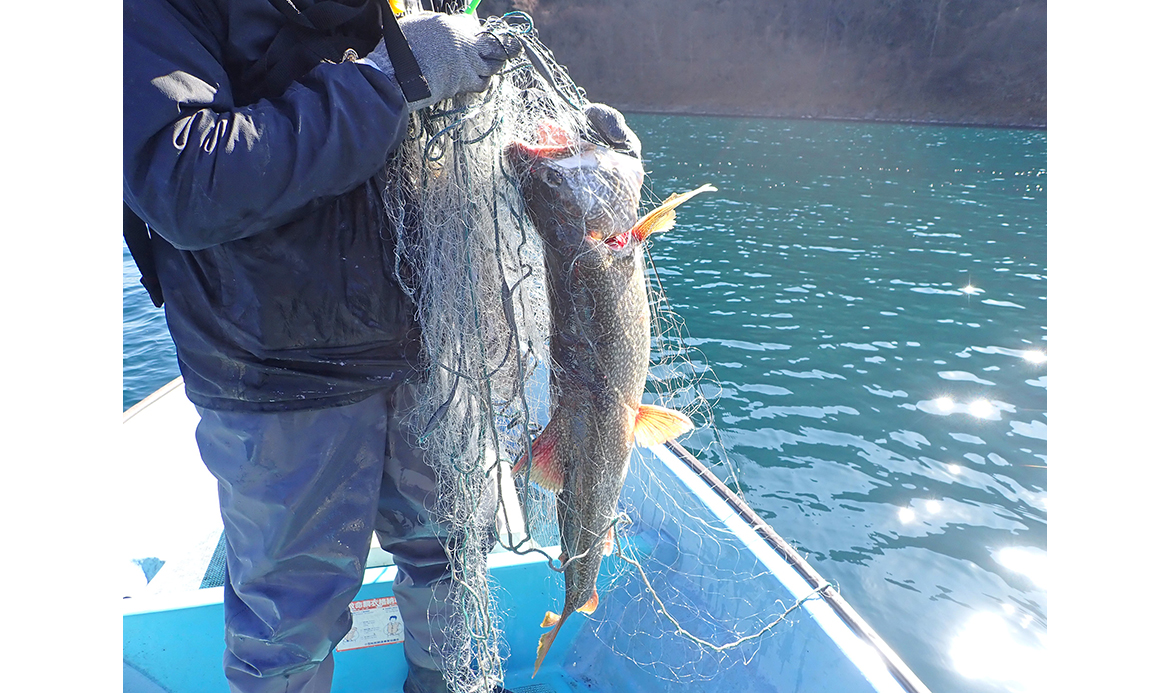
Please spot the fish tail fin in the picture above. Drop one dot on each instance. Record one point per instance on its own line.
(546, 640)
(552, 619)
(546, 469)
(662, 218)
(655, 425)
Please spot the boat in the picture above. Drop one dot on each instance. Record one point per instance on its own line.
(809, 639)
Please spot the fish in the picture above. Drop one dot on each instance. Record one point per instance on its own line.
(583, 199)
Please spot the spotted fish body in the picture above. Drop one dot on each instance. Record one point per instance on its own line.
(583, 200)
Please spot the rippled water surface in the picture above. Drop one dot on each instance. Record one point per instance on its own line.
(148, 354)
(872, 299)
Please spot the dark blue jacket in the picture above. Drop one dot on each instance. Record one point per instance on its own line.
(275, 261)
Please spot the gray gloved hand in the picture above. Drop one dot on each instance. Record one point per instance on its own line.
(610, 125)
(453, 52)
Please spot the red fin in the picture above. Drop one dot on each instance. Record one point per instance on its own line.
(662, 218)
(547, 471)
(655, 425)
(591, 605)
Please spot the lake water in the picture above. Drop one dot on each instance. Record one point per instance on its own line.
(872, 300)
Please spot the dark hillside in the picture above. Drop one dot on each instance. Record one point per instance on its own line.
(955, 61)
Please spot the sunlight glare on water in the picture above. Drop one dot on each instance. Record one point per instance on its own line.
(989, 649)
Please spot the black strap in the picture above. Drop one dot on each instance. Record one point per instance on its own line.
(323, 31)
(406, 70)
(137, 237)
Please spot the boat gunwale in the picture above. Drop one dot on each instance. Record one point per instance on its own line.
(897, 668)
(151, 399)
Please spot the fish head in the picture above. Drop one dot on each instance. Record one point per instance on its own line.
(582, 196)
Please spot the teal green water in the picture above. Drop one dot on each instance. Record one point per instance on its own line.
(872, 299)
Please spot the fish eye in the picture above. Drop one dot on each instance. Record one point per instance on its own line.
(552, 177)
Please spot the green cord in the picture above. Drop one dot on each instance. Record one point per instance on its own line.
(471, 6)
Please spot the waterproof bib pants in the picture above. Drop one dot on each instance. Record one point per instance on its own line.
(300, 494)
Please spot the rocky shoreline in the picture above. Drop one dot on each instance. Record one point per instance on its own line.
(919, 120)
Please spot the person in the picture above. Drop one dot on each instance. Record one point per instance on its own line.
(261, 186)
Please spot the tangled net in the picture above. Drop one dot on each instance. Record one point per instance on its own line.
(472, 262)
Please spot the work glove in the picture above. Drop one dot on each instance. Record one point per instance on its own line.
(453, 53)
(610, 125)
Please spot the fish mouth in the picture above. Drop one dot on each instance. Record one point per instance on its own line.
(619, 241)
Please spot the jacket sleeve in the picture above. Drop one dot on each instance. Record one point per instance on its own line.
(202, 170)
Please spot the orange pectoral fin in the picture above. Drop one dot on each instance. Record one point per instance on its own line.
(655, 425)
(662, 218)
(547, 470)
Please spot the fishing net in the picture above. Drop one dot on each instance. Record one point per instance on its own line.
(471, 260)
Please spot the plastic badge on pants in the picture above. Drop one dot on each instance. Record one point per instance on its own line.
(375, 622)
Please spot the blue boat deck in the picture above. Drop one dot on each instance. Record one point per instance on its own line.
(689, 560)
